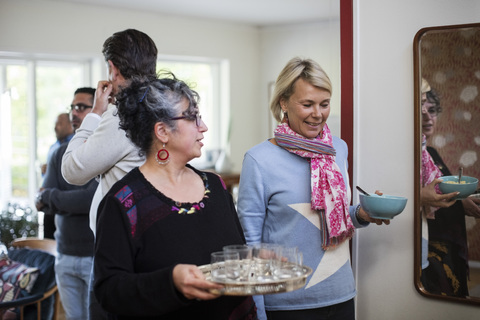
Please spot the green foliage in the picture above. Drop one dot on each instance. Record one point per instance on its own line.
(17, 221)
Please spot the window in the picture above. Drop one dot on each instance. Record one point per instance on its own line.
(34, 91)
(205, 77)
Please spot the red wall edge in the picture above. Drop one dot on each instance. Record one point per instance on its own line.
(346, 78)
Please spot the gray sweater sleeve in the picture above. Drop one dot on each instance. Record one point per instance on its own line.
(96, 147)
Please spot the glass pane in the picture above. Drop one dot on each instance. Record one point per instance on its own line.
(56, 84)
(200, 77)
(17, 82)
(204, 78)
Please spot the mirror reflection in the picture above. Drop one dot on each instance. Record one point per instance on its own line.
(447, 67)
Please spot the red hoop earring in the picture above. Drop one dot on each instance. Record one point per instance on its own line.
(165, 159)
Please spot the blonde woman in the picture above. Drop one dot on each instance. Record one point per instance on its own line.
(294, 191)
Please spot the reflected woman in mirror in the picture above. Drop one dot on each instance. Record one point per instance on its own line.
(163, 219)
(294, 191)
(446, 270)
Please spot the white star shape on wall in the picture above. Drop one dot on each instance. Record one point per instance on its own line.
(333, 259)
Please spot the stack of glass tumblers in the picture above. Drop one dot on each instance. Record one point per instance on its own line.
(263, 262)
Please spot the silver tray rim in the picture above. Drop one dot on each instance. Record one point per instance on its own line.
(237, 288)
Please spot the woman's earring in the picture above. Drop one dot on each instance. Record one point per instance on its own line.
(166, 157)
(285, 117)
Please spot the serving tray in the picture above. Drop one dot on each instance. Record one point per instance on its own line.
(270, 285)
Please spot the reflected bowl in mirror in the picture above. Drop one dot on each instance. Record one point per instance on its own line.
(466, 187)
(382, 207)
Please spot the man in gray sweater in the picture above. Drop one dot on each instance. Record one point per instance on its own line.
(100, 149)
(70, 205)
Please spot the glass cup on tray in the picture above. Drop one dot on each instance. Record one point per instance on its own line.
(245, 261)
(287, 262)
(224, 266)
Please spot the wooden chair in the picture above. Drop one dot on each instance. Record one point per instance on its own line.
(49, 246)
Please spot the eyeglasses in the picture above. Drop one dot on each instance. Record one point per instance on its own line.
(79, 107)
(196, 116)
(432, 111)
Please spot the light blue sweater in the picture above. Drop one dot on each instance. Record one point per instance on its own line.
(274, 207)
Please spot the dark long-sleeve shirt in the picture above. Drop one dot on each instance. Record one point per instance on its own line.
(71, 205)
(142, 234)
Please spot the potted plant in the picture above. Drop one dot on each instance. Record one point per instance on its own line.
(17, 221)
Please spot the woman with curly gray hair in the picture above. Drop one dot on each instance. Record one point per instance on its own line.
(165, 218)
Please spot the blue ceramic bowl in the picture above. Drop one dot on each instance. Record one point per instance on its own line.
(382, 207)
(466, 187)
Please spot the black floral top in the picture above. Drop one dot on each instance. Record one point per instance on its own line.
(142, 235)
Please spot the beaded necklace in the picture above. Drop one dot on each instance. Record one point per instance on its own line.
(196, 206)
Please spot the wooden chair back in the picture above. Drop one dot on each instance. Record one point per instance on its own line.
(50, 246)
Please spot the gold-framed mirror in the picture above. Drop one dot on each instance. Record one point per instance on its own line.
(447, 121)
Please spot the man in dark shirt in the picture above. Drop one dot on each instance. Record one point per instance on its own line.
(63, 132)
(71, 204)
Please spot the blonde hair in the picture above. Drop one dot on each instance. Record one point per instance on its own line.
(296, 68)
(425, 86)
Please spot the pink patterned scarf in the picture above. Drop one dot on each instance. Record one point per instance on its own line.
(329, 193)
(429, 172)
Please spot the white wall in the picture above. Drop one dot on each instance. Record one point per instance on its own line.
(319, 41)
(384, 153)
